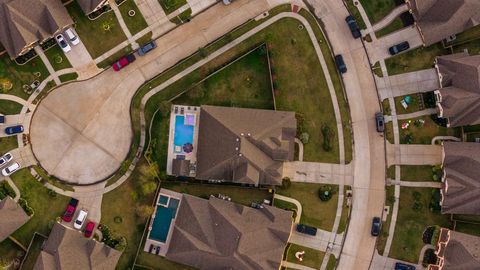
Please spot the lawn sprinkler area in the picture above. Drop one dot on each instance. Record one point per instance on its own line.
(182, 145)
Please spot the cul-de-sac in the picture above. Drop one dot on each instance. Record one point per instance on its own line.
(240, 134)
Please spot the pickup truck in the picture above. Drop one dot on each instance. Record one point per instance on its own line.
(123, 62)
(70, 210)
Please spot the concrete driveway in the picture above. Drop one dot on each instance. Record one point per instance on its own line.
(81, 61)
(408, 83)
(378, 49)
(314, 172)
(414, 154)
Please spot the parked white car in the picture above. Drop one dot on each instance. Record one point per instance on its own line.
(63, 43)
(5, 159)
(82, 216)
(71, 36)
(10, 169)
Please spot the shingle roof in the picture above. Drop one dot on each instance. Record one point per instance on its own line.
(461, 194)
(71, 250)
(12, 217)
(439, 19)
(23, 22)
(253, 158)
(460, 79)
(89, 5)
(217, 234)
(462, 252)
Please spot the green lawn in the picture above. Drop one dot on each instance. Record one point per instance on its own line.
(134, 23)
(13, 76)
(386, 107)
(407, 241)
(345, 212)
(57, 58)
(182, 17)
(468, 228)
(377, 9)
(414, 106)
(10, 107)
(391, 172)
(7, 144)
(312, 257)
(395, 25)
(145, 38)
(416, 172)
(286, 206)
(170, 6)
(33, 252)
(238, 194)
(114, 57)
(151, 261)
(466, 36)
(46, 208)
(9, 251)
(105, 29)
(68, 77)
(315, 212)
(382, 238)
(416, 59)
(424, 133)
(389, 131)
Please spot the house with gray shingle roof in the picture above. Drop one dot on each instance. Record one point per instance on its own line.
(243, 145)
(69, 249)
(12, 217)
(25, 23)
(439, 19)
(461, 189)
(89, 6)
(458, 98)
(218, 234)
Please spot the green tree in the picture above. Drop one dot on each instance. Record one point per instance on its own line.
(144, 211)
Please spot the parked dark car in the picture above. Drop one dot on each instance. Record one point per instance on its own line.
(147, 47)
(89, 229)
(123, 62)
(70, 210)
(376, 224)
(302, 228)
(403, 266)
(340, 63)
(380, 122)
(2, 119)
(14, 129)
(352, 24)
(400, 47)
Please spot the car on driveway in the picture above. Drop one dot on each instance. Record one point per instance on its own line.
(82, 215)
(2, 119)
(376, 224)
(352, 24)
(400, 47)
(71, 36)
(63, 43)
(380, 122)
(305, 229)
(123, 62)
(7, 157)
(89, 229)
(14, 129)
(404, 266)
(340, 63)
(10, 169)
(70, 210)
(147, 47)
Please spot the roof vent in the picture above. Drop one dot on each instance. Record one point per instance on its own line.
(238, 139)
(249, 134)
(236, 148)
(241, 134)
(240, 154)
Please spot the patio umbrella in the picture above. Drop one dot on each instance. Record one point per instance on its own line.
(188, 148)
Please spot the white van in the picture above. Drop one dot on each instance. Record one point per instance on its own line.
(82, 216)
(71, 36)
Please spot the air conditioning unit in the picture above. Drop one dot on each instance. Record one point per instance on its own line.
(451, 38)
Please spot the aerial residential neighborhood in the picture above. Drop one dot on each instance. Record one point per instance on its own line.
(240, 134)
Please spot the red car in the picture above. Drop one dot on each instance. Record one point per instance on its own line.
(123, 62)
(89, 229)
(71, 207)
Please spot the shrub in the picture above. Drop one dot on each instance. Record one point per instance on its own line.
(300, 124)
(326, 192)
(118, 219)
(439, 121)
(111, 240)
(148, 188)
(417, 206)
(6, 190)
(429, 100)
(429, 257)
(52, 193)
(305, 137)
(435, 235)
(427, 235)
(434, 204)
(23, 203)
(327, 138)
(286, 183)
(203, 52)
(144, 211)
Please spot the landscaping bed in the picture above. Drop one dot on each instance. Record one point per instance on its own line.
(312, 258)
(57, 58)
(135, 23)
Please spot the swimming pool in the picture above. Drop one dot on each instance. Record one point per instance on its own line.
(183, 133)
(163, 200)
(163, 220)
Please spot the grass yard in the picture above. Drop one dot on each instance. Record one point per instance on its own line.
(389, 132)
(114, 57)
(377, 9)
(7, 144)
(134, 23)
(241, 195)
(315, 212)
(416, 59)
(286, 206)
(46, 207)
(33, 252)
(9, 251)
(68, 77)
(170, 6)
(312, 257)
(182, 17)
(407, 241)
(468, 228)
(14, 76)
(150, 261)
(57, 58)
(423, 133)
(105, 28)
(416, 172)
(414, 105)
(395, 25)
(389, 200)
(466, 36)
(332, 262)
(345, 213)
(144, 39)
(10, 107)
(386, 107)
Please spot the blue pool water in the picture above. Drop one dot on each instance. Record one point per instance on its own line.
(183, 134)
(163, 220)
(163, 200)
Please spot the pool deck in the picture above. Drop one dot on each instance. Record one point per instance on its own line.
(171, 149)
(148, 241)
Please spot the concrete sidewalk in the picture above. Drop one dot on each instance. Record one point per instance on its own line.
(429, 184)
(390, 17)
